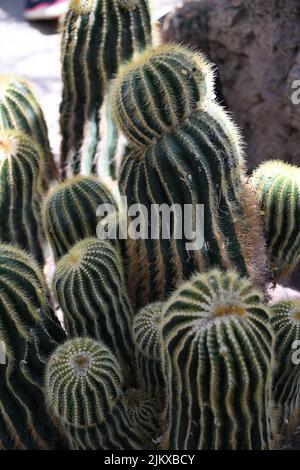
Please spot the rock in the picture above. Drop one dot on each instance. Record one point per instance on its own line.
(255, 45)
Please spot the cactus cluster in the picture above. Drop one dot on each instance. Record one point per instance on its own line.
(184, 150)
(98, 35)
(165, 341)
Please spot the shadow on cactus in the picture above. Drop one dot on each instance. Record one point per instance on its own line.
(30, 333)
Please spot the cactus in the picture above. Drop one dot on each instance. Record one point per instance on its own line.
(147, 339)
(97, 36)
(69, 211)
(22, 171)
(30, 333)
(278, 187)
(20, 110)
(143, 413)
(90, 288)
(285, 321)
(217, 342)
(83, 389)
(184, 150)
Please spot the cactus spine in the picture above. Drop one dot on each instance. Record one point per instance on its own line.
(147, 338)
(184, 150)
(285, 321)
(84, 390)
(30, 332)
(69, 211)
(90, 288)
(20, 110)
(98, 35)
(278, 187)
(22, 171)
(217, 343)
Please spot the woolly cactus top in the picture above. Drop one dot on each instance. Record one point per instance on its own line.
(159, 89)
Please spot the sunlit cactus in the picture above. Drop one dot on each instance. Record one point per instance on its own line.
(285, 321)
(185, 154)
(147, 339)
(84, 390)
(97, 36)
(30, 333)
(69, 211)
(20, 110)
(278, 187)
(22, 171)
(217, 342)
(90, 287)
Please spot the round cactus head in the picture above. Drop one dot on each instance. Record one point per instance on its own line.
(159, 89)
(147, 330)
(69, 211)
(278, 187)
(218, 353)
(83, 382)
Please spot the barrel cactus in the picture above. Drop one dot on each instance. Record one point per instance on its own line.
(69, 211)
(97, 36)
(90, 287)
(218, 345)
(83, 390)
(22, 170)
(184, 152)
(20, 110)
(146, 332)
(30, 333)
(285, 321)
(278, 187)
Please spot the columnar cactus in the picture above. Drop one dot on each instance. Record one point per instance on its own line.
(217, 342)
(184, 150)
(69, 211)
(146, 332)
(97, 36)
(285, 321)
(90, 287)
(20, 110)
(30, 332)
(84, 390)
(22, 170)
(278, 187)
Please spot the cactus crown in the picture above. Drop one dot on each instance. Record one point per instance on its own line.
(158, 90)
(83, 382)
(146, 330)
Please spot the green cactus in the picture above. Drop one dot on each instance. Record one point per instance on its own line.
(218, 343)
(69, 211)
(285, 321)
(83, 389)
(98, 35)
(30, 333)
(278, 187)
(143, 413)
(147, 339)
(184, 150)
(20, 110)
(90, 287)
(22, 171)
